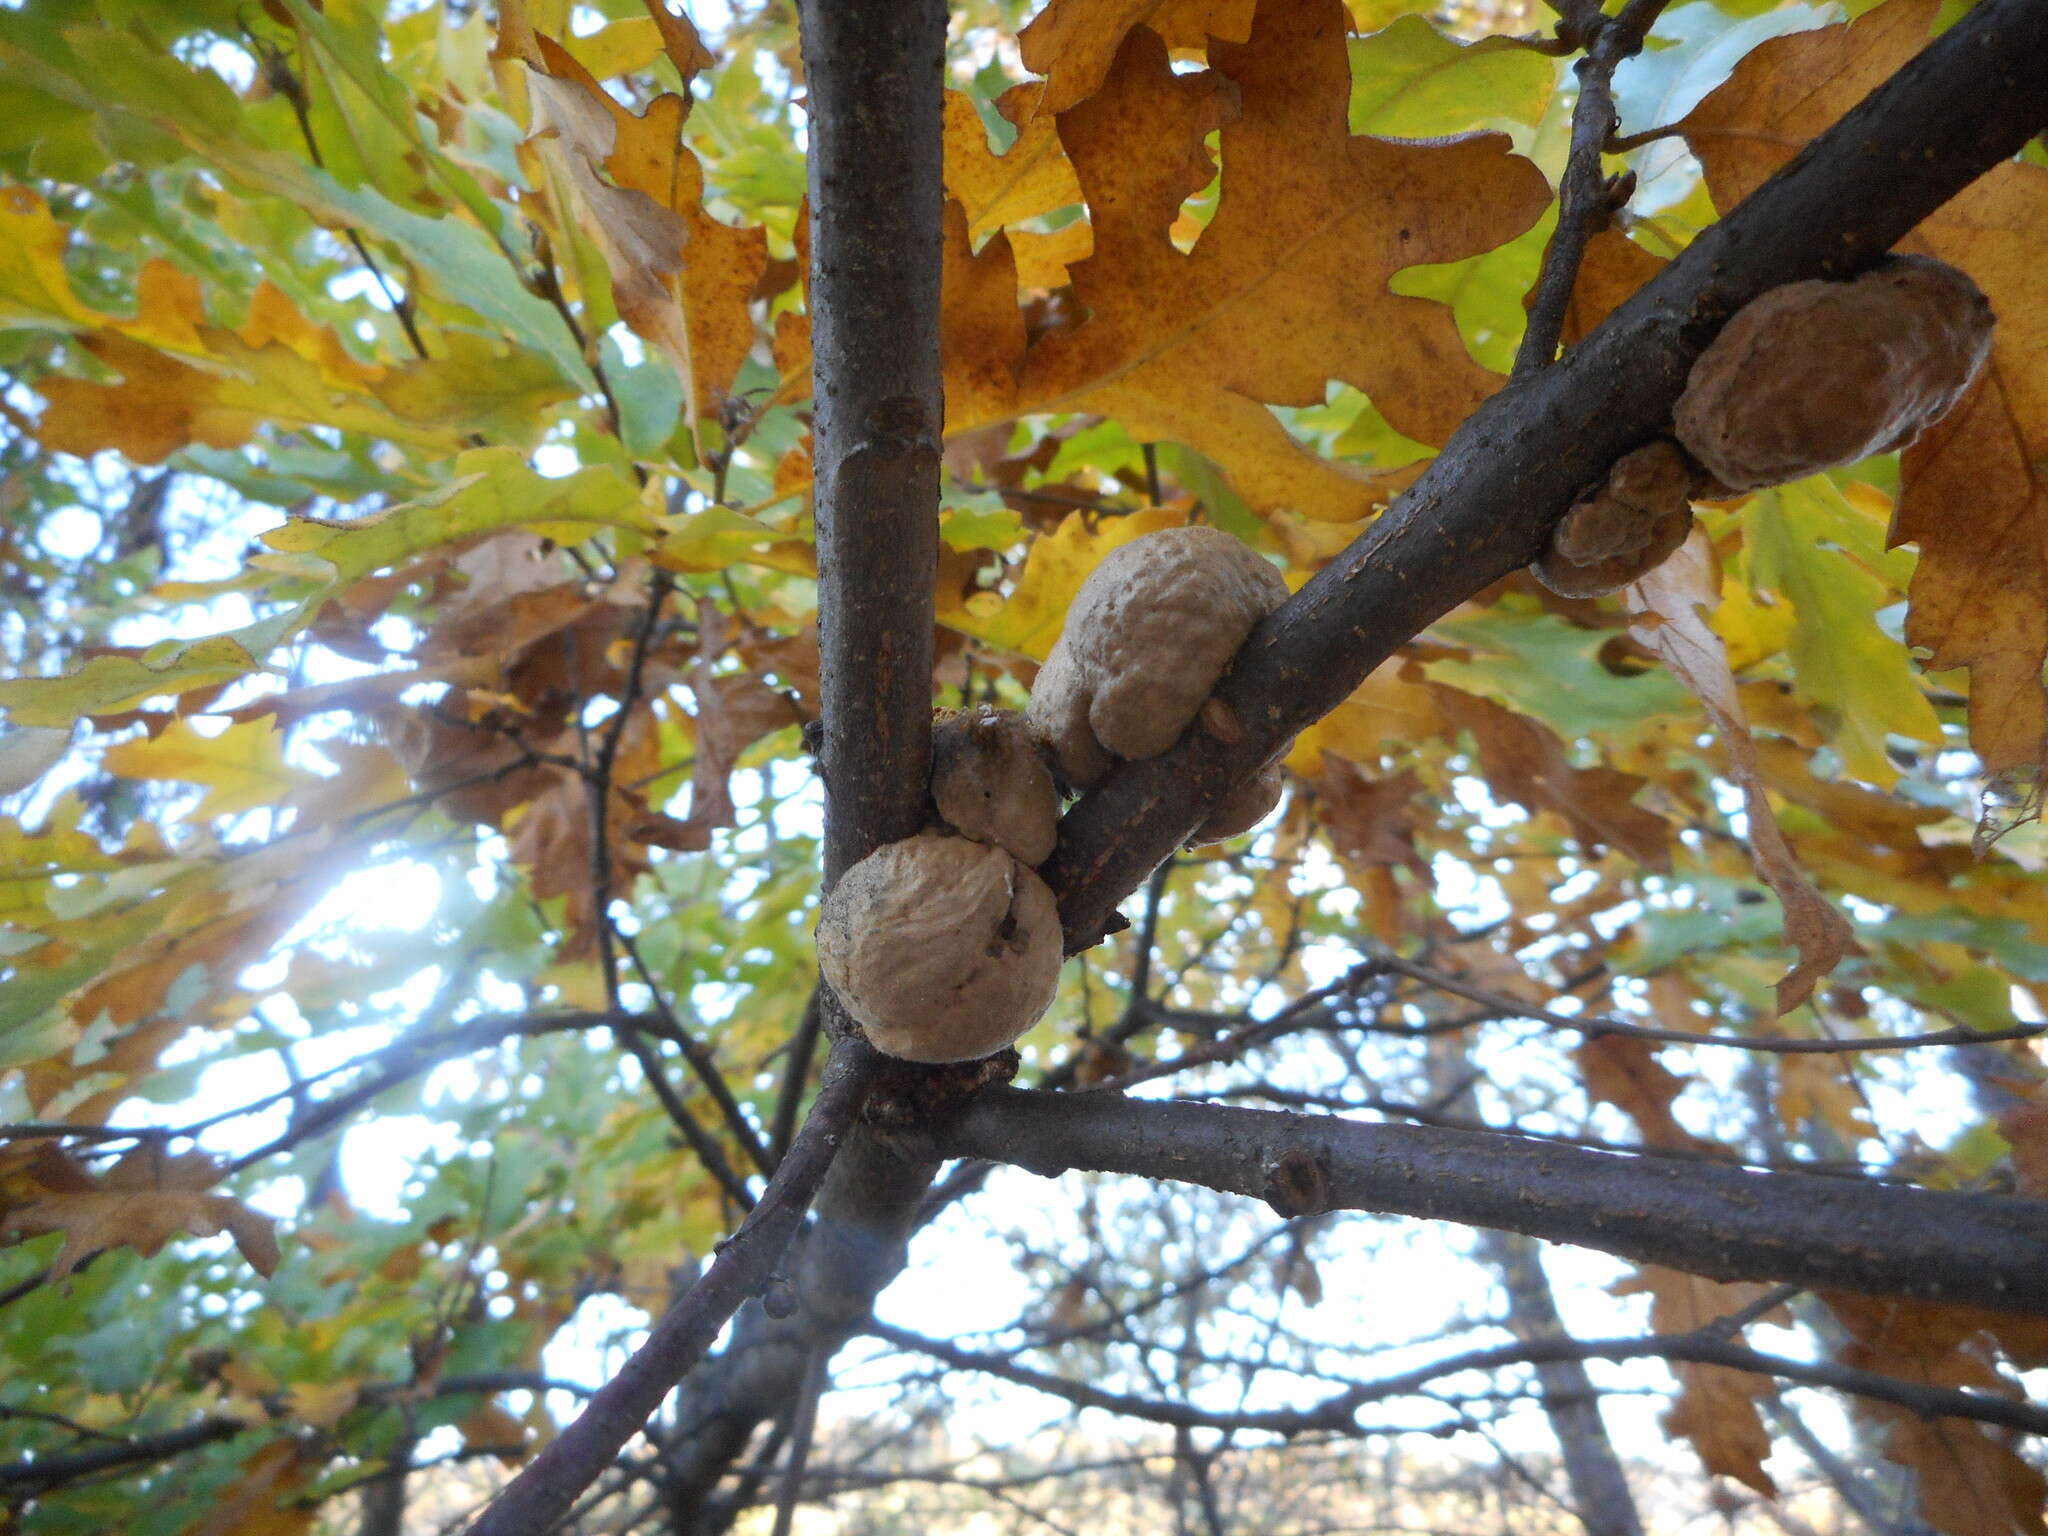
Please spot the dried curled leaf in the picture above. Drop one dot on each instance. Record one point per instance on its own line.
(1624, 530)
(1816, 374)
(1152, 629)
(990, 782)
(942, 948)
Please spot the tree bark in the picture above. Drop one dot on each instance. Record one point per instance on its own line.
(1724, 1223)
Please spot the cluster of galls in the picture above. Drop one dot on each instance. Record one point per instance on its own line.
(1810, 376)
(946, 946)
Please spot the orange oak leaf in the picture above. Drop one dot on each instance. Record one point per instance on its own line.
(1526, 762)
(142, 1202)
(1612, 269)
(1972, 1481)
(1670, 607)
(681, 278)
(1716, 1407)
(1285, 289)
(1975, 488)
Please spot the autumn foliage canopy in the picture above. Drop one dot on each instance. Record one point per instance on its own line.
(414, 791)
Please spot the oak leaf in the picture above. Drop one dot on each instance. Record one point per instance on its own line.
(2025, 1127)
(681, 278)
(1972, 1480)
(1623, 1070)
(1285, 289)
(142, 1202)
(1716, 1406)
(1526, 762)
(1074, 42)
(1670, 605)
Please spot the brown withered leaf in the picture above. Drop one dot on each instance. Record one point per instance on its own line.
(1623, 1070)
(1716, 1406)
(2026, 1127)
(1073, 42)
(1525, 761)
(142, 1202)
(492, 1429)
(1367, 817)
(263, 1501)
(1612, 269)
(1972, 1481)
(1670, 606)
(1286, 288)
(791, 659)
(734, 710)
(1974, 490)
(679, 40)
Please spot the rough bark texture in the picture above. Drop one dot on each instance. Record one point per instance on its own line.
(1600, 1492)
(1724, 1223)
(1488, 501)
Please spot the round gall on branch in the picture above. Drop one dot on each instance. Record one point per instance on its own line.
(990, 782)
(943, 949)
(1149, 633)
(1816, 374)
(1624, 530)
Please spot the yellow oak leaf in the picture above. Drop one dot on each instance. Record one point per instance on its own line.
(242, 767)
(1975, 488)
(1032, 177)
(1029, 621)
(142, 1202)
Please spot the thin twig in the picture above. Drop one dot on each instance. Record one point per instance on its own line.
(1593, 1026)
(1585, 201)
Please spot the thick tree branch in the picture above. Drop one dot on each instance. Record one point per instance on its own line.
(1483, 507)
(875, 75)
(1725, 1223)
